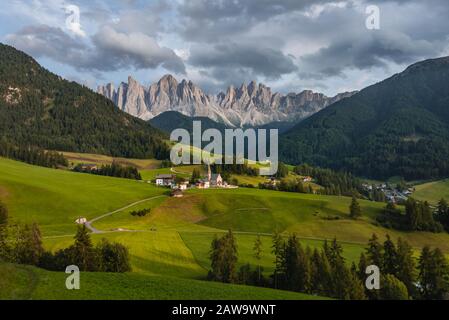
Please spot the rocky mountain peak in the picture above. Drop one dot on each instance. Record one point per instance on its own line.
(251, 104)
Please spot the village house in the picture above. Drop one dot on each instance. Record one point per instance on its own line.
(203, 184)
(177, 193)
(88, 166)
(307, 179)
(165, 180)
(181, 186)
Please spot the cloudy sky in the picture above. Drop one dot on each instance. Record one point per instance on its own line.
(290, 45)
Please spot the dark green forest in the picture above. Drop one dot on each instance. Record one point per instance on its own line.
(40, 109)
(398, 127)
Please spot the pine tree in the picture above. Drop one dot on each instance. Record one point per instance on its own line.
(230, 257)
(390, 257)
(223, 255)
(411, 214)
(363, 264)
(291, 262)
(278, 251)
(82, 252)
(406, 266)
(374, 252)
(334, 253)
(443, 214)
(258, 253)
(216, 257)
(354, 209)
(433, 274)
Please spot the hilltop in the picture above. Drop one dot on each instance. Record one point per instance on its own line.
(41, 109)
(398, 127)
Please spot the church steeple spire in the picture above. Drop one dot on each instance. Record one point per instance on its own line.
(209, 173)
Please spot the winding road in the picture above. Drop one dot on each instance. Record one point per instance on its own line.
(88, 224)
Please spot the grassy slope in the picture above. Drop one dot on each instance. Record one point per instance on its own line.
(143, 164)
(432, 191)
(184, 227)
(56, 198)
(25, 282)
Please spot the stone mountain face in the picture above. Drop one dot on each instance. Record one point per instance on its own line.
(249, 105)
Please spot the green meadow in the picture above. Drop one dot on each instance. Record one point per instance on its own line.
(56, 198)
(432, 191)
(29, 283)
(169, 247)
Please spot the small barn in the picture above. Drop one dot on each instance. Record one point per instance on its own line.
(177, 193)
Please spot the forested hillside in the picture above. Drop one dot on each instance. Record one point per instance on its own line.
(40, 109)
(398, 127)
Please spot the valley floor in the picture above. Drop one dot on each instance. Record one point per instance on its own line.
(169, 247)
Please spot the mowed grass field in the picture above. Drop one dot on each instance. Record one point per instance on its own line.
(56, 198)
(173, 240)
(432, 191)
(142, 164)
(29, 283)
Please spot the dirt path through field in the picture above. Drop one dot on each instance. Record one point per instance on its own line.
(88, 224)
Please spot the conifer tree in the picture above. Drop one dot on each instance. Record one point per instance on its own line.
(433, 274)
(390, 257)
(258, 253)
(224, 257)
(443, 214)
(374, 252)
(363, 264)
(82, 252)
(354, 209)
(277, 249)
(406, 266)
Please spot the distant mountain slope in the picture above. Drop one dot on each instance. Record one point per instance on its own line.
(250, 105)
(171, 120)
(399, 126)
(39, 108)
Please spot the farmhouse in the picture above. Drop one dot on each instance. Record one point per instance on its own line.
(181, 186)
(89, 167)
(203, 184)
(165, 179)
(177, 193)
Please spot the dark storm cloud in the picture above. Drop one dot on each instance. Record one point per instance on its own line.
(110, 50)
(410, 31)
(256, 60)
(214, 19)
(364, 53)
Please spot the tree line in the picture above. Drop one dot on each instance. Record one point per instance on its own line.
(22, 244)
(112, 170)
(32, 155)
(325, 271)
(419, 216)
(140, 213)
(333, 182)
(55, 114)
